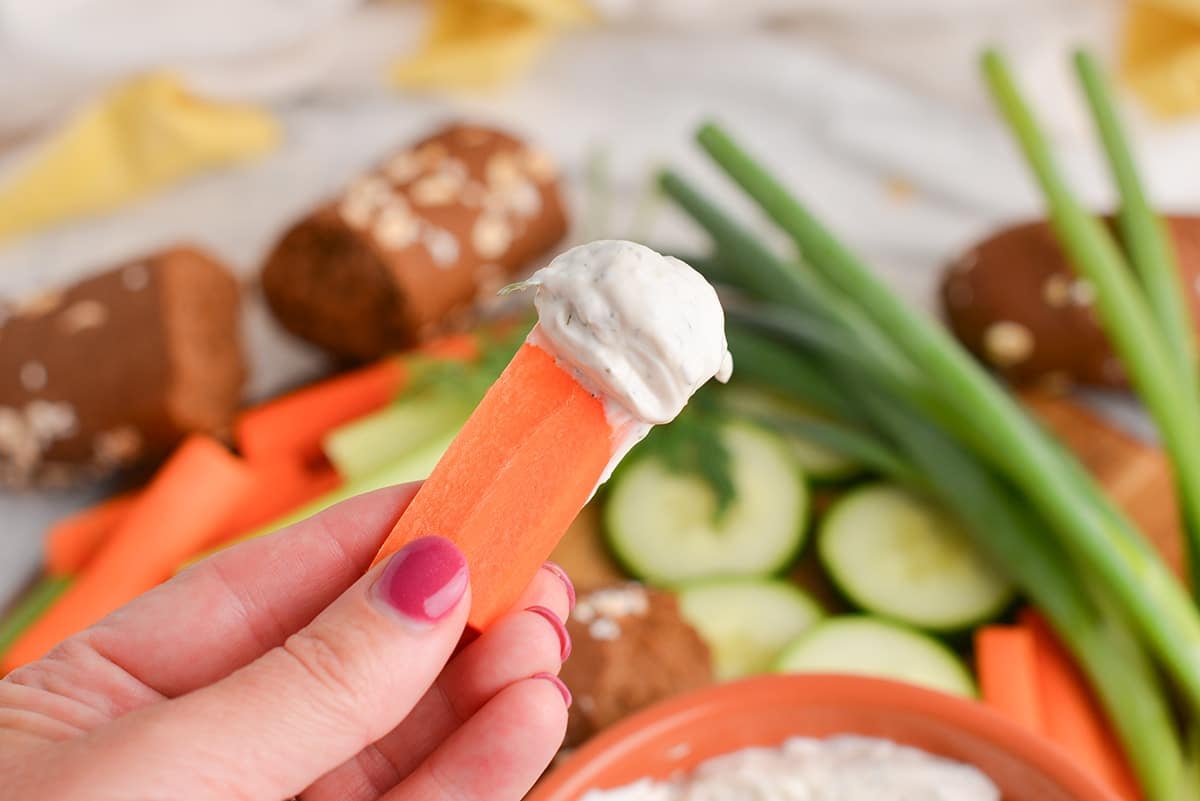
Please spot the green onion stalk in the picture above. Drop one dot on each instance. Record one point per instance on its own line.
(1162, 373)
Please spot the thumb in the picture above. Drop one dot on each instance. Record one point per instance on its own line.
(272, 728)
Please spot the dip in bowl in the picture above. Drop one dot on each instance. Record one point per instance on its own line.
(672, 739)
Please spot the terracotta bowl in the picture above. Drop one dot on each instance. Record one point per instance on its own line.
(680, 733)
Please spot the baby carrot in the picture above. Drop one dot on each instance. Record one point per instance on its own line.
(177, 514)
(72, 541)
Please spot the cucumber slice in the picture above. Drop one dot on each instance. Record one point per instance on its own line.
(899, 556)
(818, 462)
(660, 524)
(747, 622)
(872, 647)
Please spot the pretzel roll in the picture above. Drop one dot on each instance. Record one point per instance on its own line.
(115, 370)
(407, 248)
(1015, 301)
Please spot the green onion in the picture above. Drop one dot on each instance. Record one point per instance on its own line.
(1020, 545)
(40, 597)
(921, 457)
(1142, 232)
(1154, 366)
(1072, 505)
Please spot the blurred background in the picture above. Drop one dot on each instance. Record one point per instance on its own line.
(130, 126)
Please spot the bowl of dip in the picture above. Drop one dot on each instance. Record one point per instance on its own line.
(818, 736)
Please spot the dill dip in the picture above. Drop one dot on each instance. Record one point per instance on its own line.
(641, 329)
(845, 768)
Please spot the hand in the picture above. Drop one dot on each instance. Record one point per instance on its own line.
(276, 669)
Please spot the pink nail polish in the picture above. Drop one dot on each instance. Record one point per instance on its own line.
(557, 682)
(564, 637)
(562, 576)
(424, 580)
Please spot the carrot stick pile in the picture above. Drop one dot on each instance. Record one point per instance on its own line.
(1026, 675)
(204, 498)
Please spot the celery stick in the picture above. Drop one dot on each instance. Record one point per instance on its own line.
(40, 597)
(377, 440)
(1075, 507)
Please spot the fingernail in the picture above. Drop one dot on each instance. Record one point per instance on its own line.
(564, 637)
(557, 682)
(562, 576)
(424, 580)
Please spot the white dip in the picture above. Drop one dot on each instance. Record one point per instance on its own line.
(846, 768)
(641, 329)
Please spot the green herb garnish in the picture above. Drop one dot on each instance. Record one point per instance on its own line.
(691, 445)
(467, 381)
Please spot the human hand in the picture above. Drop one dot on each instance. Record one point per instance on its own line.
(276, 669)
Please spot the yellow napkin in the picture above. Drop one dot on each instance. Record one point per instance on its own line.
(143, 135)
(1160, 54)
(478, 44)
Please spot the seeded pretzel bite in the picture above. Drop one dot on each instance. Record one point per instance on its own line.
(406, 250)
(632, 647)
(1016, 303)
(113, 371)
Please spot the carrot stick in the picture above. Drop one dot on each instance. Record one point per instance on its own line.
(280, 488)
(1071, 716)
(177, 514)
(513, 479)
(291, 427)
(72, 541)
(1006, 661)
(452, 347)
(31, 607)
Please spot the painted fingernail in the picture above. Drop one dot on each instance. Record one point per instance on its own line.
(557, 682)
(562, 576)
(424, 580)
(564, 637)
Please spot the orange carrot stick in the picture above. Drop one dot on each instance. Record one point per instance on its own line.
(72, 541)
(1006, 661)
(279, 488)
(177, 514)
(514, 478)
(1071, 716)
(291, 427)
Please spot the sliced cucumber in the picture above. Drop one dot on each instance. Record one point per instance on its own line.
(747, 622)
(661, 524)
(818, 462)
(868, 646)
(899, 556)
